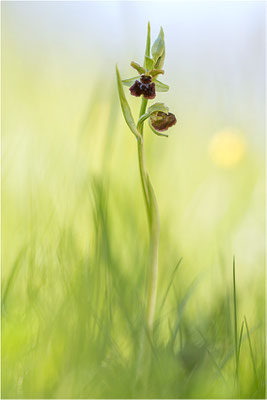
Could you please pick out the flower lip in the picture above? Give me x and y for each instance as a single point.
(135, 89)
(148, 90)
(145, 86)
(162, 121)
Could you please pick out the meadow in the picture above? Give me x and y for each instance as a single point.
(75, 237)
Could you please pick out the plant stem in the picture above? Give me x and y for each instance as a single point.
(154, 227)
(153, 257)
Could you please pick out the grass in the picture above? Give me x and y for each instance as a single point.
(74, 245)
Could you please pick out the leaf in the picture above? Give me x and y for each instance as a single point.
(125, 107)
(161, 87)
(129, 82)
(149, 63)
(138, 67)
(158, 48)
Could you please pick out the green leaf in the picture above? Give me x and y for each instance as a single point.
(149, 63)
(129, 82)
(138, 67)
(125, 107)
(161, 87)
(158, 48)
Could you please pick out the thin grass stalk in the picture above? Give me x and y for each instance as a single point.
(239, 343)
(235, 320)
(251, 351)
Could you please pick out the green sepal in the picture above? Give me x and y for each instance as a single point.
(160, 87)
(129, 82)
(126, 108)
(158, 49)
(155, 72)
(138, 67)
(158, 107)
(149, 63)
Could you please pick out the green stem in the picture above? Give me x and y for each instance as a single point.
(153, 256)
(154, 227)
(152, 275)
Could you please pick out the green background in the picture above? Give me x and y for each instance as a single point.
(74, 229)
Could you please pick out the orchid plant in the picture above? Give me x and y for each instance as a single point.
(146, 85)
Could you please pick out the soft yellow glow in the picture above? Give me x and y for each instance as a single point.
(227, 147)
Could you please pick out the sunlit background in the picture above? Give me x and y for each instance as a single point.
(67, 153)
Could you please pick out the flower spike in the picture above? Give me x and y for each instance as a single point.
(146, 86)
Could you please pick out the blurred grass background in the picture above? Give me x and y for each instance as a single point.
(74, 234)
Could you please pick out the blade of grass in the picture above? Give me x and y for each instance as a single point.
(12, 276)
(239, 342)
(230, 353)
(211, 356)
(235, 317)
(182, 305)
(251, 351)
(169, 286)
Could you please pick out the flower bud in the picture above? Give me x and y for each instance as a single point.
(162, 121)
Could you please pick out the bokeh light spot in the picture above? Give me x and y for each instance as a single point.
(227, 147)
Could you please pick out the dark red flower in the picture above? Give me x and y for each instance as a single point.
(135, 89)
(162, 121)
(145, 86)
